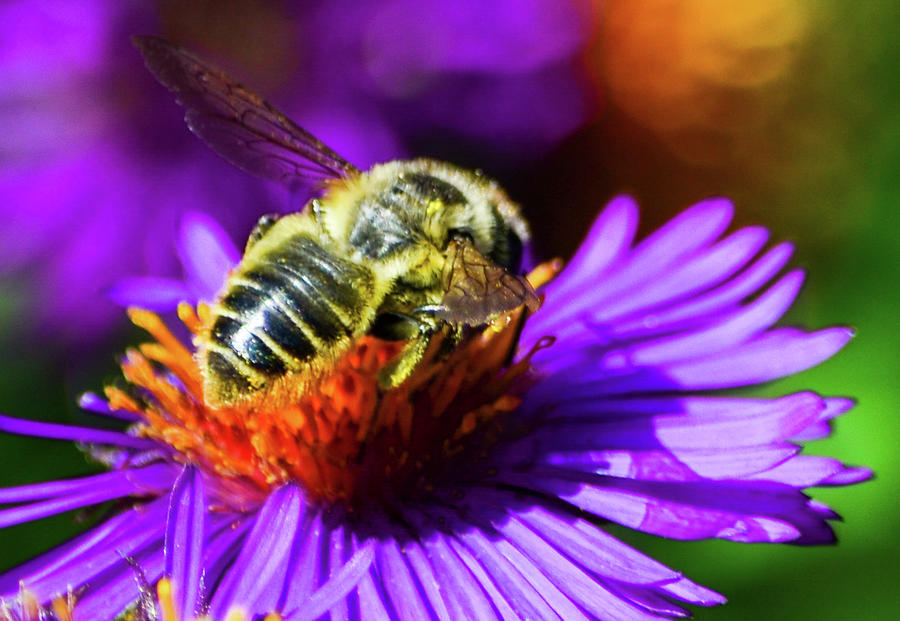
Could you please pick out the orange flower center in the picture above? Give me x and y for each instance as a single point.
(349, 440)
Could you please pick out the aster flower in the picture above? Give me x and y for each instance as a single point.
(96, 166)
(479, 487)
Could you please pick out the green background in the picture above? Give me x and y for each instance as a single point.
(837, 194)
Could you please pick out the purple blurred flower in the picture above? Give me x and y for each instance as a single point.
(95, 170)
(618, 420)
(96, 167)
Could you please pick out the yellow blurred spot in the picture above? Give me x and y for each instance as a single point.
(699, 71)
(166, 600)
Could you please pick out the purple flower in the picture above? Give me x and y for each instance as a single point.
(96, 167)
(477, 489)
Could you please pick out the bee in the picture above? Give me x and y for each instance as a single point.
(399, 252)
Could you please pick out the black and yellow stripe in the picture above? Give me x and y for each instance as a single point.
(282, 311)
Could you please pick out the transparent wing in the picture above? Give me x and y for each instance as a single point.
(237, 123)
(477, 289)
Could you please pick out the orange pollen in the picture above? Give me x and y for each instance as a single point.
(348, 440)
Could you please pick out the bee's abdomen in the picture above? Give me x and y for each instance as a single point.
(284, 310)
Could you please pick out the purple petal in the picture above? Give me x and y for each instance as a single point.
(688, 314)
(184, 540)
(151, 293)
(334, 555)
(713, 301)
(848, 476)
(740, 511)
(93, 403)
(84, 435)
(221, 548)
(704, 424)
(776, 354)
(674, 465)
(152, 479)
(340, 583)
(649, 601)
(706, 268)
(206, 252)
(608, 239)
(399, 584)
(724, 423)
(564, 607)
(693, 228)
(588, 545)
(571, 579)
(729, 331)
(110, 593)
(258, 575)
(484, 570)
(693, 593)
(373, 600)
(435, 594)
(303, 564)
(121, 480)
(462, 593)
(834, 406)
(682, 236)
(499, 564)
(79, 560)
(801, 471)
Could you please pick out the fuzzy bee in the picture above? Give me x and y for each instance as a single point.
(399, 251)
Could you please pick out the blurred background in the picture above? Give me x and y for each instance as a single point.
(791, 107)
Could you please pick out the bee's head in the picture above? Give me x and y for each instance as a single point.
(462, 204)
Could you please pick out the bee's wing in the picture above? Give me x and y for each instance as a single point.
(477, 289)
(237, 123)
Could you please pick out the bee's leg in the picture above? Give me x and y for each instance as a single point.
(262, 225)
(401, 367)
(399, 327)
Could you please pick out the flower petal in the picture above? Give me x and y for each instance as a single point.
(608, 239)
(740, 511)
(79, 560)
(505, 564)
(144, 480)
(257, 577)
(151, 293)
(776, 354)
(185, 536)
(705, 269)
(120, 480)
(207, 254)
(728, 331)
(696, 309)
(111, 592)
(84, 435)
(462, 593)
(399, 583)
(303, 565)
(340, 582)
(686, 233)
(437, 598)
(584, 590)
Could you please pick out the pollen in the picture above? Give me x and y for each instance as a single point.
(348, 440)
